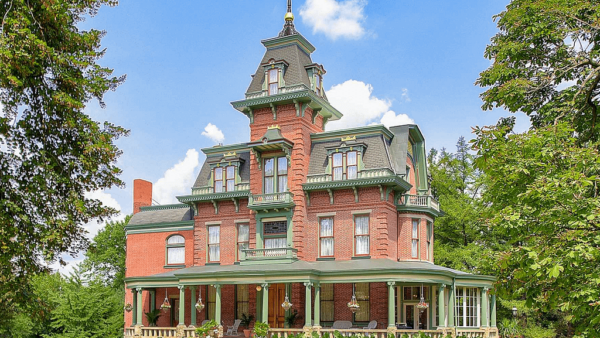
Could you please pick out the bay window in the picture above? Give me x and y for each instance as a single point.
(361, 235)
(276, 166)
(429, 236)
(326, 237)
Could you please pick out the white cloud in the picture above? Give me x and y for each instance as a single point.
(335, 19)
(355, 100)
(177, 180)
(106, 199)
(212, 132)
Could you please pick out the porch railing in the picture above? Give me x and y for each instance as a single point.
(264, 199)
(257, 254)
(283, 333)
(378, 333)
(424, 201)
(477, 333)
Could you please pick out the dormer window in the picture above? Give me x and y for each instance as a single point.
(352, 165)
(349, 171)
(224, 179)
(318, 85)
(273, 81)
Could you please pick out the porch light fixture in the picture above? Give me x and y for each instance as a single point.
(258, 288)
(128, 307)
(199, 305)
(422, 304)
(166, 305)
(286, 305)
(353, 304)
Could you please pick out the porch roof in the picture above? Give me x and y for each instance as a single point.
(322, 271)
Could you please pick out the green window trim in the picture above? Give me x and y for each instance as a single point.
(278, 174)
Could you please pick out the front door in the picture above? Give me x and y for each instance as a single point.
(174, 312)
(276, 312)
(415, 318)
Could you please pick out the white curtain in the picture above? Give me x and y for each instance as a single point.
(214, 252)
(269, 185)
(282, 184)
(243, 233)
(176, 240)
(362, 238)
(176, 255)
(327, 232)
(352, 172)
(337, 166)
(274, 243)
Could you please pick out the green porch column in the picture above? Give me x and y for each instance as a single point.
(484, 307)
(493, 311)
(139, 307)
(441, 301)
(181, 305)
(259, 297)
(259, 233)
(391, 304)
(317, 315)
(308, 305)
(451, 307)
(265, 303)
(134, 312)
(152, 300)
(193, 305)
(218, 304)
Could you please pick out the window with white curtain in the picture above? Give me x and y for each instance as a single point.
(269, 176)
(429, 236)
(214, 243)
(338, 167)
(326, 237)
(230, 178)
(218, 179)
(361, 235)
(467, 307)
(273, 81)
(415, 239)
(351, 165)
(243, 238)
(282, 174)
(176, 250)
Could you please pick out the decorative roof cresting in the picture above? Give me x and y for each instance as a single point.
(288, 27)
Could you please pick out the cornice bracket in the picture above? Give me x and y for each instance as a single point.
(355, 189)
(274, 110)
(258, 159)
(237, 204)
(330, 196)
(216, 205)
(297, 105)
(307, 194)
(304, 106)
(381, 191)
(250, 114)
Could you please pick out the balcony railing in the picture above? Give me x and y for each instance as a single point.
(366, 173)
(282, 90)
(271, 199)
(259, 254)
(423, 201)
(211, 190)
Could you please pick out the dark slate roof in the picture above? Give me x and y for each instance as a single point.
(295, 73)
(376, 155)
(399, 148)
(204, 175)
(177, 213)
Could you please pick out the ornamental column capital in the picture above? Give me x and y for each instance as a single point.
(443, 286)
(265, 285)
(217, 286)
(181, 287)
(139, 290)
(391, 283)
(308, 284)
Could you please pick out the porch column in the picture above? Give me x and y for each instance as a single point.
(493, 311)
(152, 300)
(265, 303)
(308, 305)
(181, 305)
(451, 307)
(441, 303)
(391, 304)
(139, 307)
(317, 314)
(134, 312)
(193, 305)
(484, 307)
(218, 304)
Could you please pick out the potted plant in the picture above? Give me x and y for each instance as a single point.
(246, 320)
(261, 329)
(291, 318)
(210, 328)
(128, 307)
(153, 316)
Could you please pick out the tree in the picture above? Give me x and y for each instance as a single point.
(105, 257)
(51, 152)
(543, 46)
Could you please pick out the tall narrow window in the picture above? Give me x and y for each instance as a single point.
(429, 236)
(211, 302)
(338, 167)
(230, 178)
(241, 300)
(275, 235)
(467, 304)
(351, 165)
(176, 250)
(318, 84)
(243, 238)
(327, 304)
(326, 237)
(282, 172)
(269, 176)
(361, 291)
(214, 243)
(273, 81)
(415, 239)
(218, 179)
(361, 234)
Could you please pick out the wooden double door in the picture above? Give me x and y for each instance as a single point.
(276, 312)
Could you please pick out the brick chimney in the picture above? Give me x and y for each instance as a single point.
(142, 194)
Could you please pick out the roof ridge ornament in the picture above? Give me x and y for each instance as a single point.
(288, 27)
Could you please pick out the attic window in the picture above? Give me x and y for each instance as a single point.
(318, 85)
(273, 77)
(345, 165)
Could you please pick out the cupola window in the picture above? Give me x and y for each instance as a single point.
(273, 81)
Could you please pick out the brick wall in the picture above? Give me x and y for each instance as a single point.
(146, 252)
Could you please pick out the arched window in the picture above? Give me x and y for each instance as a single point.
(176, 250)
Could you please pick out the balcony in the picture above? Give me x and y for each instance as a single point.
(268, 256)
(419, 203)
(276, 201)
(211, 190)
(382, 177)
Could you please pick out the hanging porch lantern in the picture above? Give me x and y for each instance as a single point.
(199, 305)
(286, 305)
(422, 304)
(166, 306)
(128, 307)
(353, 304)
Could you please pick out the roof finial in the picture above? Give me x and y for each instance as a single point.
(288, 28)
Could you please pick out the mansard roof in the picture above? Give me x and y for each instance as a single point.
(203, 178)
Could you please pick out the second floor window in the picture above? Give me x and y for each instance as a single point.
(273, 76)
(276, 171)
(326, 237)
(415, 239)
(243, 238)
(275, 235)
(361, 234)
(176, 250)
(429, 235)
(214, 243)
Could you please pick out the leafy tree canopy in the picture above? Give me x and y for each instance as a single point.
(51, 152)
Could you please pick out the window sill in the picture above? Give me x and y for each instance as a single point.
(236, 263)
(326, 259)
(213, 263)
(173, 266)
(361, 257)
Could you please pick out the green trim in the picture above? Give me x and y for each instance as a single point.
(358, 131)
(326, 259)
(164, 207)
(193, 310)
(396, 181)
(213, 263)
(425, 210)
(160, 227)
(226, 148)
(214, 196)
(361, 257)
(289, 39)
(180, 266)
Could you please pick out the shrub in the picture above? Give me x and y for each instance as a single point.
(206, 329)
(261, 329)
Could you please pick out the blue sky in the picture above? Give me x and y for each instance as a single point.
(387, 61)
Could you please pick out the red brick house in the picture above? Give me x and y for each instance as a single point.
(298, 213)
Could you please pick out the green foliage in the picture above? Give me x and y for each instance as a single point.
(246, 320)
(261, 329)
(52, 154)
(508, 327)
(539, 332)
(153, 316)
(206, 329)
(291, 318)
